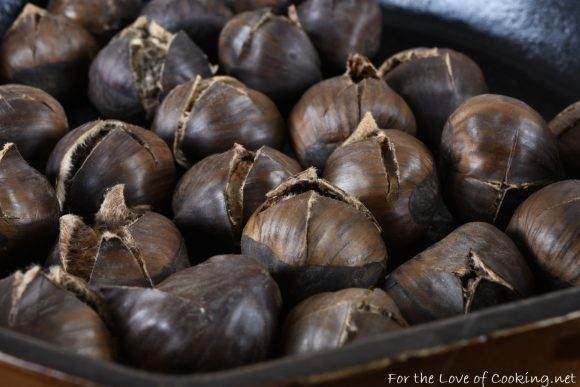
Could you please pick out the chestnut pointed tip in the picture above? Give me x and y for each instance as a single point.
(114, 210)
(359, 67)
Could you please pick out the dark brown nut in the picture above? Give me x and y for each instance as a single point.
(475, 267)
(434, 82)
(394, 176)
(101, 154)
(139, 66)
(566, 127)
(339, 28)
(271, 54)
(220, 314)
(202, 20)
(249, 5)
(332, 320)
(314, 237)
(215, 198)
(328, 112)
(207, 116)
(546, 227)
(29, 211)
(47, 51)
(56, 308)
(101, 18)
(495, 152)
(31, 119)
(126, 246)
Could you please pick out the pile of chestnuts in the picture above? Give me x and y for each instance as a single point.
(257, 183)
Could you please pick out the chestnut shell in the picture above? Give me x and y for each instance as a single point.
(495, 152)
(101, 154)
(566, 127)
(46, 51)
(474, 267)
(33, 120)
(547, 229)
(330, 111)
(331, 320)
(216, 315)
(207, 116)
(314, 237)
(434, 82)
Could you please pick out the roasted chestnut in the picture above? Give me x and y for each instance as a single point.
(434, 82)
(101, 154)
(56, 308)
(207, 116)
(202, 20)
(101, 18)
(33, 120)
(271, 54)
(127, 246)
(339, 28)
(566, 127)
(139, 66)
(546, 227)
(249, 5)
(314, 237)
(330, 111)
(220, 314)
(331, 320)
(29, 211)
(474, 267)
(215, 198)
(47, 51)
(495, 152)
(393, 175)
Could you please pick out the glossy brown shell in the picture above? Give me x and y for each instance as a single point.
(331, 320)
(495, 152)
(215, 198)
(547, 229)
(46, 51)
(216, 315)
(434, 82)
(33, 120)
(474, 267)
(330, 111)
(566, 127)
(101, 154)
(314, 237)
(29, 211)
(207, 116)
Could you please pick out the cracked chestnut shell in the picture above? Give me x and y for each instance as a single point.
(249, 5)
(495, 152)
(31, 119)
(101, 154)
(202, 20)
(332, 320)
(566, 127)
(330, 111)
(475, 267)
(126, 246)
(56, 308)
(29, 210)
(393, 174)
(101, 18)
(219, 314)
(434, 82)
(215, 198)
(339, 28)
(207, 116)
(139, 66)
(271, 54)
(46, 51)
(546, 227)
(314, 237)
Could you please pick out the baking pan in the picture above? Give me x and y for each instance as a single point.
(527, 49)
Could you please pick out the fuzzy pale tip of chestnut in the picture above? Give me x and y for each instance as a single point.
(359, 67)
